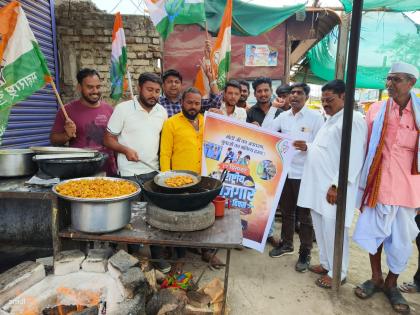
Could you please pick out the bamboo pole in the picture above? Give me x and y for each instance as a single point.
(130, 85)
(59, 100)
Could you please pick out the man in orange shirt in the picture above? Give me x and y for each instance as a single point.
(389, 184)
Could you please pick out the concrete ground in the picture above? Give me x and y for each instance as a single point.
(262, 285)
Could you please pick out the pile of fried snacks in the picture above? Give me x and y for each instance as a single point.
(96, 188)
(178, 181)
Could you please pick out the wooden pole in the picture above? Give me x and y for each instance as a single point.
(345, 142)
(59, 100)
(342, 48)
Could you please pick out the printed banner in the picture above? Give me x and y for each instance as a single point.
(253, 163)
(260, 56)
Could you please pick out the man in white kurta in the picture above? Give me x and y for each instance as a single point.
(318, 189)
(302, 124)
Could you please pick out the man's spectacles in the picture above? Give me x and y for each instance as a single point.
(394, 79)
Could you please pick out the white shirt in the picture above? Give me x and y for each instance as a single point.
(239, 113)
(304, 125)
(139, 130)
(322, 166)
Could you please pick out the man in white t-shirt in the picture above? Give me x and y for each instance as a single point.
(134, 130)
(231, 95)
(134, 133)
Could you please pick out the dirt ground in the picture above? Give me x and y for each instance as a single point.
(259, 284)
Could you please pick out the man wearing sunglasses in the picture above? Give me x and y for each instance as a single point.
(389, 185)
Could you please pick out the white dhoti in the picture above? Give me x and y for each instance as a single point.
(394, 226)
(325, 234)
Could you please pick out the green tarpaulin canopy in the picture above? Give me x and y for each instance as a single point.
(249, 19)
(393, 5)
(386, 37)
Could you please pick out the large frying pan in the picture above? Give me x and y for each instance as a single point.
(160, 178)
(190, 199)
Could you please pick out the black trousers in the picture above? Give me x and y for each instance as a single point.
(288, 205)
(417, 275)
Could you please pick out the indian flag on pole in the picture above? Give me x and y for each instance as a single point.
(23, 69)
(220, 54)
(118, 58)
(166, 13)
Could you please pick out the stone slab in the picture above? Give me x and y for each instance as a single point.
(19, 278)
(48, 263)
(96, 260)
(135, 306)
(123, 261)
(131, 281)
(68, 261)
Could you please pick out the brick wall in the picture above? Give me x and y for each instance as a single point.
(84, 40)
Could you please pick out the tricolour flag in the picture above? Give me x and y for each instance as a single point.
(166, 13)
(23, 69)
(118, 59)
(220, 54)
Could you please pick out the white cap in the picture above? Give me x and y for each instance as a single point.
(402, 67)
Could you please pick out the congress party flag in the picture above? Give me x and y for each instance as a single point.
(118, 58)
(220, 54)
(166, 13)
(23, 69)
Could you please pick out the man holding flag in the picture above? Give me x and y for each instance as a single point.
(89, 118)
(219, 59)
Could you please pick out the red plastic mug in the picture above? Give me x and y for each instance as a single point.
(219, 205)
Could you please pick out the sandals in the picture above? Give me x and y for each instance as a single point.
(325, 282)
(366, 289)
(399, 304)
(318, 269)
(410, 287)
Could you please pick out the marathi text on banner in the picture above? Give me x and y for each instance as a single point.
(253, 163)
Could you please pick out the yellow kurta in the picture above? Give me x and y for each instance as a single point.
(181, 144)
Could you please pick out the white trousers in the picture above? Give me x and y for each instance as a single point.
(325, 234)
(394, 226)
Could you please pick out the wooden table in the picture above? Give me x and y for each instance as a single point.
(225, 233)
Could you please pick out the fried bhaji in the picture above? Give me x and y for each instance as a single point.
(178, 181)
(96, 188)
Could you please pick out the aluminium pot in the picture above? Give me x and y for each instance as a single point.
(99, 215)
(17, 162)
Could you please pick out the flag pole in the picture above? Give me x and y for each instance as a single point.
(130, 86)
(210, 60)
(59, 100)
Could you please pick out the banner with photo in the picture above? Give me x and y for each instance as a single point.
(253, 163)
(260, 56)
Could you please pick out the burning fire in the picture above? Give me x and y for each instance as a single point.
(80, 298)
(65, 297)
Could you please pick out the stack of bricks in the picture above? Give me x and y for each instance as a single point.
(84, 36)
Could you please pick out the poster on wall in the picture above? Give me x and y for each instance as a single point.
(260, 56)
(253, 163)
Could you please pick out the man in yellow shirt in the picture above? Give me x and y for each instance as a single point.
(182, 141)
(182, 136)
